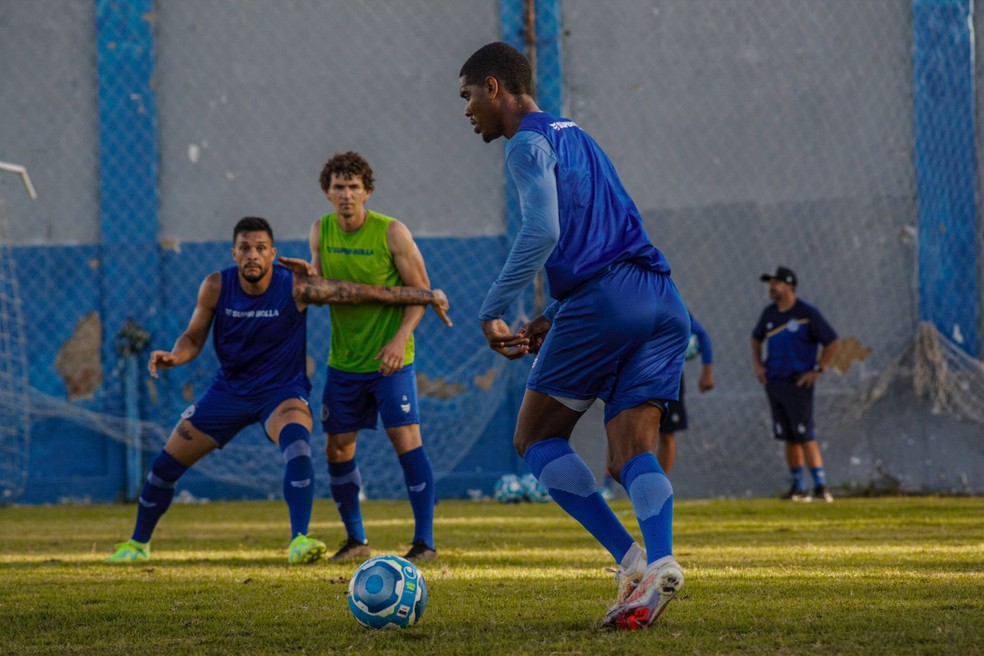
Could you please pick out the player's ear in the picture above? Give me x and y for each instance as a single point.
(491, 86)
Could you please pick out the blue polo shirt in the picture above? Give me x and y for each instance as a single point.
(792, 339)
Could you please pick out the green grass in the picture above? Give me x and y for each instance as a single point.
(861, 576)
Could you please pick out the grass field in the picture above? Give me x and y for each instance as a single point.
(860, 576)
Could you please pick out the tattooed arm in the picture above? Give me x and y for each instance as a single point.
(315, 290)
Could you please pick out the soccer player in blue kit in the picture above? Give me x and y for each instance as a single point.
(793, 331)
(257, 312)
(617, 331)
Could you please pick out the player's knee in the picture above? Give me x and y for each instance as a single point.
(339, 453)
(521, 443)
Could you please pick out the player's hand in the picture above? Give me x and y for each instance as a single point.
(441, 305)
(706, 382)
(299, 267)
(160, 360)
(536, 331)
(503, 341)
(807, 379)
(760, 373)
(391, 356)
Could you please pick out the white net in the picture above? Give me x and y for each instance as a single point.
(751, 133)
(15, 402)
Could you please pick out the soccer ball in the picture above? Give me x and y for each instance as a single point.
(508, 489)
(693, 348)
(533, 490)
(387, 592)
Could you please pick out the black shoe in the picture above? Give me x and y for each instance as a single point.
(821, 493)
(352, 549)
(420, 552)
(794, 494)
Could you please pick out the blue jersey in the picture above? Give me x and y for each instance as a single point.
(578, 220)
(792, 339)
(261, 341)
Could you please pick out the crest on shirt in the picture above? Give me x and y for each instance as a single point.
(792, 325)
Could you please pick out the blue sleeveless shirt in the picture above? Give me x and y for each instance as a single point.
(599, 223)
(261, 341)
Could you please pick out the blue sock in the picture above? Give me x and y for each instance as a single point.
(295, 445)
(573, 487)
(155, 498)
(819, 477)
(652, 499)
(346, 483)
(419, 477)
(798, 482)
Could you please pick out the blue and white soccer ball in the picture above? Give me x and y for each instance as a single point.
(387, 592)
(533, 490)
(508, 489)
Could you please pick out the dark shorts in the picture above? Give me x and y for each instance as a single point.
(792, 411)
(675, 418)
(220, 414)
(620, 338)
(353, 401)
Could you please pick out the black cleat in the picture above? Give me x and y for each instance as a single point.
(821, 493)
(801, 496)
(352, 549)
(420, 552)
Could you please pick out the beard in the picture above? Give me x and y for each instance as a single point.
(254, 277)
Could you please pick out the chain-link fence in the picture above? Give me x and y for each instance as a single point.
(751, 133)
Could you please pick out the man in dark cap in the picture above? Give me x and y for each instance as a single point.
(793, 332)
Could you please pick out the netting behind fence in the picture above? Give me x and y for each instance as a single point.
(751, 133)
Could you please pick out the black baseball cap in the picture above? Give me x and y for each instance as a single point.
(782, 274)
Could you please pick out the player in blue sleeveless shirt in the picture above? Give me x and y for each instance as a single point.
(257, 314)
(792, 332)
(617, 330)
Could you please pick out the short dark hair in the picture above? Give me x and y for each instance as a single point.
(252, 224)
(504, 63)
(348, 165)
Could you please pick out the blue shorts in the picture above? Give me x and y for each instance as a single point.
(621, 337)
(353, 401)
(220, 414)
(675, 418)
(792, 411)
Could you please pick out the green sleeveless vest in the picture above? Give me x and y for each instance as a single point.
(359, 332)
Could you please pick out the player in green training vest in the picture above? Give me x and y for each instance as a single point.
(370, 364)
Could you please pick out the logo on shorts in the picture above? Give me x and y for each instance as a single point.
(778, 428)
(189, 411)
(792, 325)
(800, 428)
(324, 413)
(405, 405)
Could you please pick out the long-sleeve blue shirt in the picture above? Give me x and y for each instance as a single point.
(578, 220)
